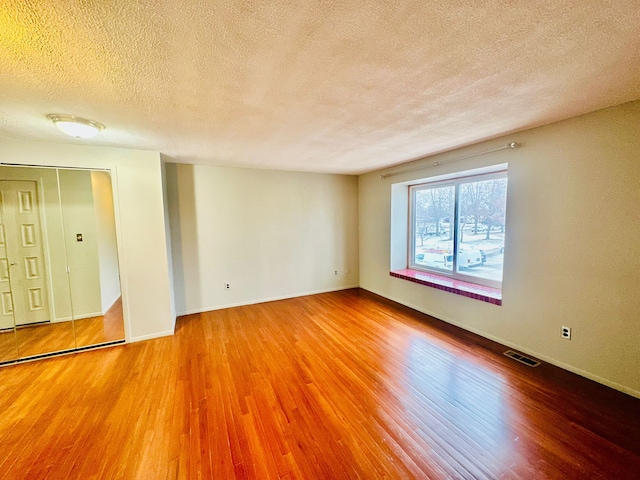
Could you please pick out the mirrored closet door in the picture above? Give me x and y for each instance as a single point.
(59, 278)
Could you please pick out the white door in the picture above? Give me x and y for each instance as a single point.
(22, 249)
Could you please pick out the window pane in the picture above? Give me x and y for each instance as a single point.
(433, 217)
(481, 228)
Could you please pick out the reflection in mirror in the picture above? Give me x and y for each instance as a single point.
(56, 278)
(8, 349)
(33, 234)
(90, 241)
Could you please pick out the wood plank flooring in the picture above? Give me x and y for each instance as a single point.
(30, 340)
(105, 328)
(341, 385)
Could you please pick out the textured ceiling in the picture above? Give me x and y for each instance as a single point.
(311, 85)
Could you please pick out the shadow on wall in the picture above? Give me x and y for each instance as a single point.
(183, 206)
(268, 234)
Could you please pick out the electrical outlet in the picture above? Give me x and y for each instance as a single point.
(566, 333)
(227, 286)
(335, 272)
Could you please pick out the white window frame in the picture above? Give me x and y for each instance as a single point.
(455, 182)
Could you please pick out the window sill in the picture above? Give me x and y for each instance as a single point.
(466, 289)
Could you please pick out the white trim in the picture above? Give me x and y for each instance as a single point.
(263, 300)
(151, 336)
(88, 315)
(552, 361)
(79, 317)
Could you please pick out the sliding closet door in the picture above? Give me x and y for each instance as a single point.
(90, 242)
(37, 265)
(59, 276)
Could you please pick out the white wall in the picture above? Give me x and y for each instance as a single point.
(572, 252)
(137, 183)
(270, 234)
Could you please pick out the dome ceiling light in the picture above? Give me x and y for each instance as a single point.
(75, 126)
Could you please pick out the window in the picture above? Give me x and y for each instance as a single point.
(457, 227)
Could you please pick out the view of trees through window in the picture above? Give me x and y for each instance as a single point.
(480, 228)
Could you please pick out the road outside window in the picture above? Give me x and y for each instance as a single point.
(458, 228)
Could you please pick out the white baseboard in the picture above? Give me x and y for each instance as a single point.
(262, 300)
(151, 336)
(552, 361)
(78, 317)
(87, 315)
(111, 304)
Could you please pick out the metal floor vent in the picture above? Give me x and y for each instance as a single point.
(522, 358)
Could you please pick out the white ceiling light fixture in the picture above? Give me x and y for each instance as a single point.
(76, 126)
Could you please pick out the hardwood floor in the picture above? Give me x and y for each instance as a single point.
(7, 345)
(30, 340)
(49, 337)
(102, 329)
(334, 386)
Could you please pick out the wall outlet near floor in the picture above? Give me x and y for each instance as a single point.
(335, 273)
(566, 333)
(227, 286)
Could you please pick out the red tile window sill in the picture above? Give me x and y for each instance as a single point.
(466, 289)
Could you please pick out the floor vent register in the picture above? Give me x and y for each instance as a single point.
(522, 358)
